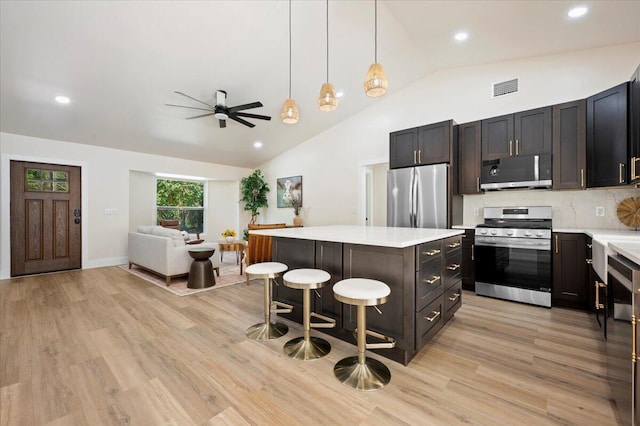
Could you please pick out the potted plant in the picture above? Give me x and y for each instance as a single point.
(229, 234)
(254, 192)
(297, 221)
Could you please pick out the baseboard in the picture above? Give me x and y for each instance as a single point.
(101, 263)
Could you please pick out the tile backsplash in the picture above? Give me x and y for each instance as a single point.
(571, 209)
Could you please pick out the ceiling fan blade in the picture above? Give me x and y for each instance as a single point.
(240, 120)
(223, 124)
(190, 97)
(203, 115)
(182, 106)
(245, 106)
(246, 114)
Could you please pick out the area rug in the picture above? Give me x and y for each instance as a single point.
(229, 275)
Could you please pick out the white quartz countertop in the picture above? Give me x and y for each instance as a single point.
(629, 249)
(464, 226)
(607, 234)
(367, 235)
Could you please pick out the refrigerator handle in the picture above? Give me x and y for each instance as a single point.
(414, 198)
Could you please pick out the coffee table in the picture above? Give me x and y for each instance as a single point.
(201, 271)
(237, 246)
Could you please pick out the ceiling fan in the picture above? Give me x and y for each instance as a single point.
(222, 112)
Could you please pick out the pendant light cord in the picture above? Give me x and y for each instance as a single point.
(327, 41)
(289, 49)
(375, 55)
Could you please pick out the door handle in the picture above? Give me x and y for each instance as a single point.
(453, 267)
(415, 157)
(478, 184)
(472, 252)
(633, 338)
(436, 314)
(517, 147)
(634, 167)
(455, 297)
(433, 280)
(419, 156)
(510, 148)
(621, 168)
(582, 178)
(557, 249)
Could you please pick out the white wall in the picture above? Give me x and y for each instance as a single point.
(330, 162)
(142, 199)
(380, 194)
(105, 185)
(223, 200)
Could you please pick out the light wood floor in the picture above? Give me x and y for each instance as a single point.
(104, 347)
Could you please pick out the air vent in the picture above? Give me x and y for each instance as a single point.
(504, 88)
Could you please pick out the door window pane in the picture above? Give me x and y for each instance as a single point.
(47, 180)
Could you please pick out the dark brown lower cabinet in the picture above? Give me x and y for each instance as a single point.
(468, 272)
(570, 271)
(425, 283)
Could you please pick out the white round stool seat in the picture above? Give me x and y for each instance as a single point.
(361, 291)
(268, 269)
(306, 278)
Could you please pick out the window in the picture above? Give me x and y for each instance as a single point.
(181, 200)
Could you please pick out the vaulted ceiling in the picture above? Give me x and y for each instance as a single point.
(120, 62)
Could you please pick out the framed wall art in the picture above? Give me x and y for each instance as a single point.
(289, 191)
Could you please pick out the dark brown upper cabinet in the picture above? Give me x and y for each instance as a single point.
(607, 138)
(403, 148)
(469, 157)
(570, 145)
(634, 126)
(522, 133)
(418, 146)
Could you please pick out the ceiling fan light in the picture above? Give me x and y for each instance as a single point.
(376, 82)
(290, 113)
(220, 115)
(327, 100)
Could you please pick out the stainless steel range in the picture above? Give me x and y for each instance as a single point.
(513, 254)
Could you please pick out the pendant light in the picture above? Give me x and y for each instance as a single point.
(290, 113)
(376, 82)
(327, 100)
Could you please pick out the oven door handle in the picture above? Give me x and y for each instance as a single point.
(544, 245)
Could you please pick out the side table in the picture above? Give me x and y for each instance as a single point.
(201, 272)
(237, 246)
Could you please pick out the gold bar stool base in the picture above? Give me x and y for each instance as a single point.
(370, 376)
(268, 331)
(302, 349)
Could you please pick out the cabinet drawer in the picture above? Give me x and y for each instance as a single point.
(452, 270)
(452, 300)
(452, 245)
(428, 284)
(429, 321)
(427, 253)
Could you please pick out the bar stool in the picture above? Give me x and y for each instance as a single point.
(360, 372)
(307, 347)
(268, 330)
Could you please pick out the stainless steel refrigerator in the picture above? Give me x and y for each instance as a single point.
(417, 197)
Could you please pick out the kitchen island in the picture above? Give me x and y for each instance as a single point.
(421, 266)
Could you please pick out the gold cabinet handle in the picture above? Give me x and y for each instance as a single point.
(478, 184)
(454, 245)
(582, 178)
(633, 338)
(455, 297)
(557, 249)
(589, 261)
(436, 314)
(415, 158)
(510, 148)
(517, 147)
(433, 279)
(419, 156)
(621, 168)
(472, 252)
(453, 267)
(431, 252)
(634, 167)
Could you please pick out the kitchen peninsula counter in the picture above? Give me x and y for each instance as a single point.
(421, 266)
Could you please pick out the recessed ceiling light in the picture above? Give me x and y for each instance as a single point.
(577, 12)
(257, 144)
(62, 99)
(461, 36)
(339, 94)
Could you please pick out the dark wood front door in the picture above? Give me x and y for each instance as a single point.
(45, 218)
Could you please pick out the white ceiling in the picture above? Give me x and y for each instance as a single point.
(120, 62)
